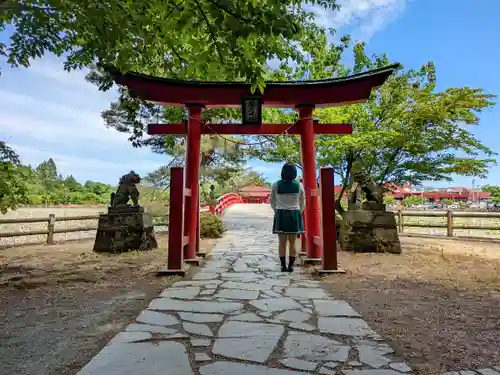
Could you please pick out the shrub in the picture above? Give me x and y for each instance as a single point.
(446, 201)
(211, 226)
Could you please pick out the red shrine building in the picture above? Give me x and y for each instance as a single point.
(458, 194)
(303, 96)
(255, 193)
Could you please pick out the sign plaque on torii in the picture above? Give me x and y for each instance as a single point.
(304, 96)
(251, 110)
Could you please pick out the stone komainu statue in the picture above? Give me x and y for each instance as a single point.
(367, 226)
(125, 227)
(126, 190)
(364, 184)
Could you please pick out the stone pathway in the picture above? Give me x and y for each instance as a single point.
(239, 315)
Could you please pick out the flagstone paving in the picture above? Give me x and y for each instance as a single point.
(240, 315)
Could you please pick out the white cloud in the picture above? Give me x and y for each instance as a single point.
(73, 131)
(53, 69)
(365, 17)
(54, 118)
(47, 112)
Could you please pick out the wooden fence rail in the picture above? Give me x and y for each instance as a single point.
(51, 230)
(447, 224)
(51, 221)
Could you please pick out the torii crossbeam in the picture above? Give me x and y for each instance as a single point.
(248, 129)
(304, 96)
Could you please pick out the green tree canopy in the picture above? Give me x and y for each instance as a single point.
(494, 191)
(175, 38)
(412, 200)
(13, 179)
(221, 156)
(407, 131)
(47, 173)
(389, 199)
(22, 184)
(446, 201)
(72, 184)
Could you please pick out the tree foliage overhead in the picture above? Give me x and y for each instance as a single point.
(219, 155)
(407, 131)
(184, 38)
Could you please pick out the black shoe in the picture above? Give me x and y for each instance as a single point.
(291, 261)
(283, 264)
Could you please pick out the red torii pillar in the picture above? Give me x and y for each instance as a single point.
(306, 128)
(308, 156)
(302, 95)
(191, 213)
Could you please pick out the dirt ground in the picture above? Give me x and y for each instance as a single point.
(61, 304)
(438, 302)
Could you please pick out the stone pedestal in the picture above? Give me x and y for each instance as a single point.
(366, 231)
(125, 229)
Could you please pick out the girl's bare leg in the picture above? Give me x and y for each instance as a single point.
(282, 244)
(292, 239)
(282, 239)
(292, 251)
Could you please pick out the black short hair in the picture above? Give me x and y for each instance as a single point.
(289, 172)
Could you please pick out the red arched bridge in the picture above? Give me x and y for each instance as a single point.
(179, 236)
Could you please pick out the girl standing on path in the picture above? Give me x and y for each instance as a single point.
(287, 201)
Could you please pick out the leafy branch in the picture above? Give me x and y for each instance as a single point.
(210, 30)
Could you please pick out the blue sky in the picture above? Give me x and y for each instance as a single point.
(46, 112)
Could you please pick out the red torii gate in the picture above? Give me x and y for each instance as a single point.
(302, 95)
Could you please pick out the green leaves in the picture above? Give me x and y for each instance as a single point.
(409, 132)
(208, 39)
(494, 190)
(406, 132)
(13, 187)
(413, 200)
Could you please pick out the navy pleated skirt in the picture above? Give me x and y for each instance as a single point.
(288, 222)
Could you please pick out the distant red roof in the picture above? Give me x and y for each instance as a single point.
(254, 190)
(455, 193)
(458, 193)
